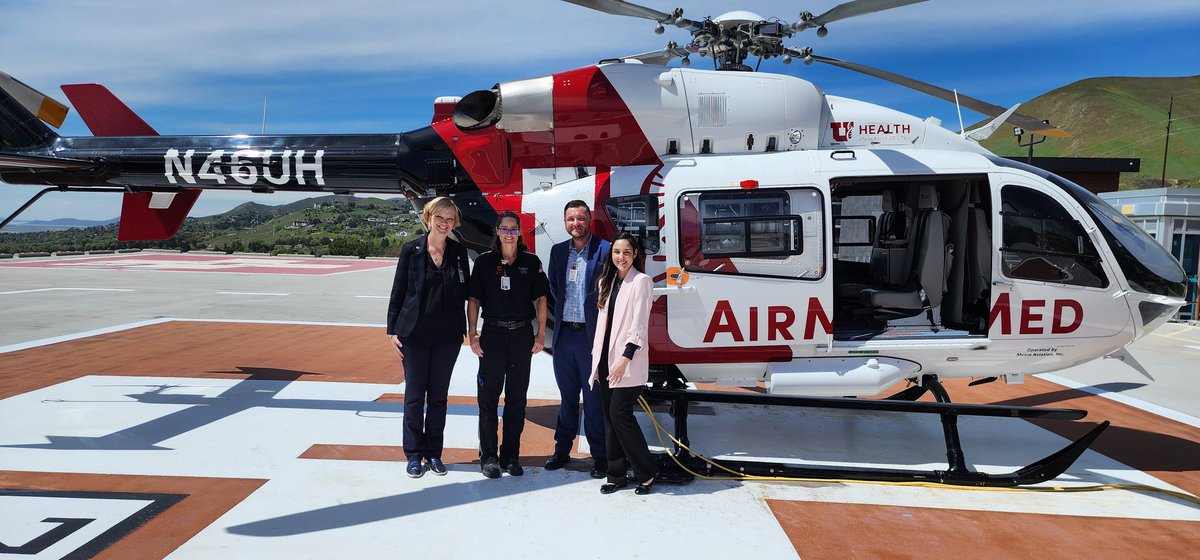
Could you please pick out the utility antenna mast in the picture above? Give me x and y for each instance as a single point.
(1163, 181)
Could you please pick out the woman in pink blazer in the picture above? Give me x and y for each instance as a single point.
(621, 364)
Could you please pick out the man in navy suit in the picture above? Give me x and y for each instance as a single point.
(574, 266)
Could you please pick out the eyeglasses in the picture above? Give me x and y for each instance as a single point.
(509, 231)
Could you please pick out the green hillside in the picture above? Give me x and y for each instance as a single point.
(327, 225)
(1120, 117)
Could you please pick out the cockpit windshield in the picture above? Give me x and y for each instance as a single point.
(1147, 266)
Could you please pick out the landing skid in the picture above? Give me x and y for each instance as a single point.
(957, 472)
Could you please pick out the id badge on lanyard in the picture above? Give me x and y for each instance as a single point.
(573, 275)
(505, 283)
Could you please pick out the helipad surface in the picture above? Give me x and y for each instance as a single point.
(153, 415)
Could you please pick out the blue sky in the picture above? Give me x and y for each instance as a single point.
(375, 66)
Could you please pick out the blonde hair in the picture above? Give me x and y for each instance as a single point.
(437, 205)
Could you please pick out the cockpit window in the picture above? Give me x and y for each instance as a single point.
(1148, 266)
(1042, 241)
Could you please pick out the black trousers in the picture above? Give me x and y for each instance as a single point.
(427, 369)
(504, 366)
(623, 437)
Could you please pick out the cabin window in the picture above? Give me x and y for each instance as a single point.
(638, 215)
(765, 232)
(1042, 241)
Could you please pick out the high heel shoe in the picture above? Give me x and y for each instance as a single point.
(643, 488)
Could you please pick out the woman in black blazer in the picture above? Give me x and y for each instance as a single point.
(425, 325)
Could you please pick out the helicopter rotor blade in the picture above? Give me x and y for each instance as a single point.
(1030, 124)
(660, 58)
(848, 10)
(859, 8)
(621, 8)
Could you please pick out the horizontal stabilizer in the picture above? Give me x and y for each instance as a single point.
(982, 133)
(143, 220)
(104, 113)
(43, 106)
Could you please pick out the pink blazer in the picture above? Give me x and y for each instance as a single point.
(631, 323)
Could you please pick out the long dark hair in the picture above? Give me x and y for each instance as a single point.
(496, 232)
(608, 276)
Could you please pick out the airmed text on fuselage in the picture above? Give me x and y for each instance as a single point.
(778, 320)
(246, 167)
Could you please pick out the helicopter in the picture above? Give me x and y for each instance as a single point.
(817, 246)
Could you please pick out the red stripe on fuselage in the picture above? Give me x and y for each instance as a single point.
(593, 126)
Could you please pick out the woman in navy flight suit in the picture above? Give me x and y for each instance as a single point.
(511, 287)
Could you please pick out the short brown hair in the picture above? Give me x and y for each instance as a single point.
(576, 204)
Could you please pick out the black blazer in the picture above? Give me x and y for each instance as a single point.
(404, 307)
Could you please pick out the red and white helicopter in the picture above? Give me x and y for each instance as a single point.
(817, 245)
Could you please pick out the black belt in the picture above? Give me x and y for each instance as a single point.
(510, 325)
(574, 326)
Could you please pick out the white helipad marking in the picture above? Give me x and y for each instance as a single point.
(67, 289)
(1127, 400)
(138, 324)
(1192, 346)
(272, 322)
(252, 294)
(76, 336)
(24, 518)
(215, 264)
(374, 297)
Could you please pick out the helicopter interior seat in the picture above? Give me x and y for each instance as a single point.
(979, 262)
(890, 253)
(926, 283)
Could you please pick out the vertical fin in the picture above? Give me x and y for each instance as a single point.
(140, 222)
(104, 113)
(144, 216)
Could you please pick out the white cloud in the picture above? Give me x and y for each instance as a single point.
(152, 45)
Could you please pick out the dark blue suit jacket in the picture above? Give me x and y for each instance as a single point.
(404, 306)
(597, 251)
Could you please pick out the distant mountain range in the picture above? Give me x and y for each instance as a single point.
(1120, 117)
(324, 225)
(56, 224)
(273, 210)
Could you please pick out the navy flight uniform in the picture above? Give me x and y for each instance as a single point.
(509, 318)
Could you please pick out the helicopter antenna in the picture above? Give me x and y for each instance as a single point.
(264, 126)
(958, 106)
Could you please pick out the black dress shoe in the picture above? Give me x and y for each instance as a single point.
(490, 468)
(414, 469)
(436, 466)
(610, 487)
(599, 470)
(513, 468)
(643, 488)
(556, 462)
